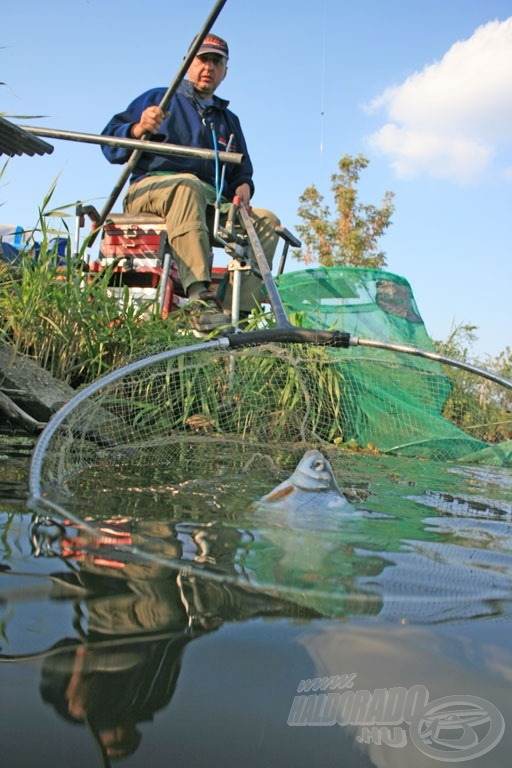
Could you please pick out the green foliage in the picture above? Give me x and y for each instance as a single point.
(351, 238)
(293, 395)
(65, 318)
(476, 404)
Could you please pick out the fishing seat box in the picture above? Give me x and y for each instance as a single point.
(136, 245)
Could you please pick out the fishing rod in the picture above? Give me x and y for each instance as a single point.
(142, 145)
(166, 100)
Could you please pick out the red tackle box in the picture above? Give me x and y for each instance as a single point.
(136, 247)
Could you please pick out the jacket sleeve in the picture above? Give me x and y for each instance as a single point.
(120, 125)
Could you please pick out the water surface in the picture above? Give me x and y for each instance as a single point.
(180, 624)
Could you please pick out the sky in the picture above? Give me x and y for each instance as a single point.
(422, 89)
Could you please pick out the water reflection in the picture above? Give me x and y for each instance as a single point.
(181, 630)
(456, 662)
(112, 686)
(135, 616)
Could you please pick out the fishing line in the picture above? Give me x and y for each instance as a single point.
(322, 85)
(218, 182)
(219, 175)
(223, 175)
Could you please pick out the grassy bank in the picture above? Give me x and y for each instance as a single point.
(63, 316)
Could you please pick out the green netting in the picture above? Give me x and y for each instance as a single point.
(396, 402)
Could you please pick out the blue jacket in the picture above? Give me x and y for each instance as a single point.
(185, 127)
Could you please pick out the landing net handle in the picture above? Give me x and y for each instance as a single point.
(235, 244)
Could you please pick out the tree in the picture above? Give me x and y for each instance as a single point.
(351, 238)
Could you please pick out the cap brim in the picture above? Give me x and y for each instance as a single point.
(211, 50)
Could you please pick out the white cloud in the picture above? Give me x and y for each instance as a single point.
(450, 119)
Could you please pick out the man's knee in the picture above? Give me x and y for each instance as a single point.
(266, 218)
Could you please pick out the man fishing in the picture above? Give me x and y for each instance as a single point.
(183, 190)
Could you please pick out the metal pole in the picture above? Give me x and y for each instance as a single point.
(157, 147)
(355, 341)
(266, 273)
(163, 105)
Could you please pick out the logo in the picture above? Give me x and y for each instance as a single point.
(452, 729)
(457, 728)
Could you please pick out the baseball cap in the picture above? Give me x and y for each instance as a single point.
(214, 44)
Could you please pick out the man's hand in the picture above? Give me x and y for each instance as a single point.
(244, 193)
(150, 121)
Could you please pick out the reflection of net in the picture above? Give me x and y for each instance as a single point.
(163, 408)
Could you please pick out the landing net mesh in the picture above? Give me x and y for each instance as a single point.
(407, 405)
(161, 462)
(167, 408)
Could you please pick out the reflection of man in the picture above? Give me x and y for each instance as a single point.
(112, 686)
(138, 624)
(140, 615)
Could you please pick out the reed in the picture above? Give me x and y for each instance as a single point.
(63, 317)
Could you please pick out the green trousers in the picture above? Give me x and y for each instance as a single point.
(184, 202)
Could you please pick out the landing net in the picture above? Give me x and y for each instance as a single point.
(167, 409)
(161, 462)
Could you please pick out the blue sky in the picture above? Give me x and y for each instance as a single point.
(423, 89)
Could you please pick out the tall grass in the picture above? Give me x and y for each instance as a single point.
(64, 317)
(475, 404)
